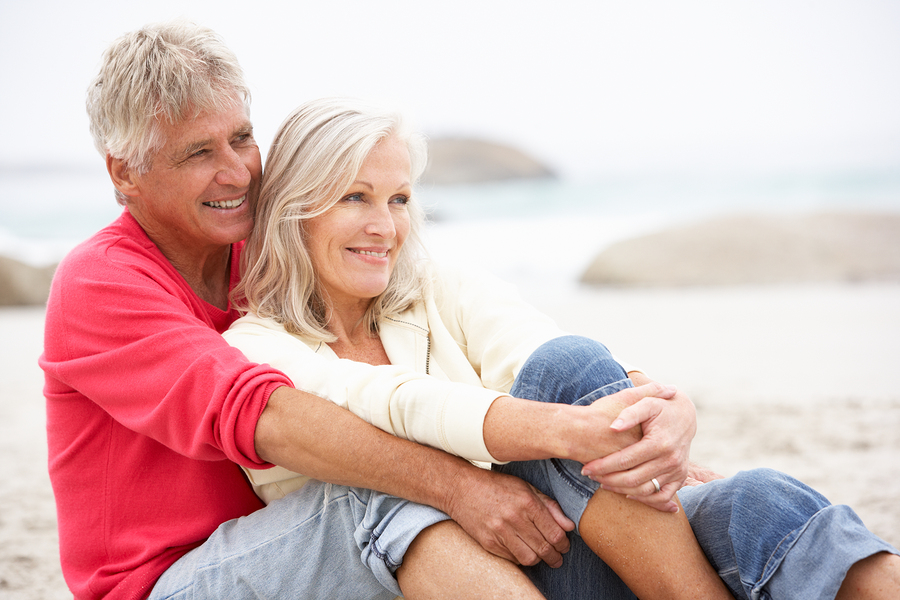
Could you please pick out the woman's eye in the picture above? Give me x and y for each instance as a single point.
(400, 200)
(353, 198)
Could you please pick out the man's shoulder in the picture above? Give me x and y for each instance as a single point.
(121, 243)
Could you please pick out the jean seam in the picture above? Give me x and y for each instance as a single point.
(572, 482)
(776, 558)
(382, 556)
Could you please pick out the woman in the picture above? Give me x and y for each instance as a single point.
(335, 270)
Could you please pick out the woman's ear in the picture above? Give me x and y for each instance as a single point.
(122, 177)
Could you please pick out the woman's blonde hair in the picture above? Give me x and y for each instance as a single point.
(314, 159)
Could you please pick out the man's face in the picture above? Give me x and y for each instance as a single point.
(199, 194)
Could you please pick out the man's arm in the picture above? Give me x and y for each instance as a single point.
(504, 514)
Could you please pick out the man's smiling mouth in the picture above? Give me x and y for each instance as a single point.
(226, 203)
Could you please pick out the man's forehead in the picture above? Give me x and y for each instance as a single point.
(206, 127)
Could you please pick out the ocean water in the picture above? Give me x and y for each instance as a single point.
(546, 228)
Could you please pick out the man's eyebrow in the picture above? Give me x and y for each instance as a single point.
(245, 129)
(194, 147)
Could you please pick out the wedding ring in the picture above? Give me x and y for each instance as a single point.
(655, 484)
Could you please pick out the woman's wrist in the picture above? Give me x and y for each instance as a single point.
(517, 429)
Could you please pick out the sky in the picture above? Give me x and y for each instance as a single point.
(587, 87)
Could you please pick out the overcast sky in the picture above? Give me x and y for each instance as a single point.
(590, 86)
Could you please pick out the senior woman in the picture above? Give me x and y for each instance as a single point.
(342, 298)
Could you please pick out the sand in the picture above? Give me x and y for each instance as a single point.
(795, 377)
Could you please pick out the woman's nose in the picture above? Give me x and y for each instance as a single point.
(381, 222)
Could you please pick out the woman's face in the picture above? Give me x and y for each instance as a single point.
(355, 244)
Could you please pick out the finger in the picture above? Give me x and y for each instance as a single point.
(662, 469)
(544, 551)
(564, 522)
(665, 499)
(632, 395)
(530, 548)
(644, 489)
(522, 552)
(668, 506)
(640, 412)
(551, 525)
(625, 459)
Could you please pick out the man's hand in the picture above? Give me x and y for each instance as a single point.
(510, 518)
(662, 453)
(698, 475)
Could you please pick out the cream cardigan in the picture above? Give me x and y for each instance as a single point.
(451, 356)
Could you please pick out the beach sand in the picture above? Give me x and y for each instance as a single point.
(798, 378)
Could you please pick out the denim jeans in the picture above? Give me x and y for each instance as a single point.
(766, 534)
(321, 541)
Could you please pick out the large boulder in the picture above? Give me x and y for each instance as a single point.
(757, 250)
(463, 160)
(22, 284)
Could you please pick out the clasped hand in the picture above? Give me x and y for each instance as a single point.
(665, 420)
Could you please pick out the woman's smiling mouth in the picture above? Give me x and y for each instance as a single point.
(382, 254)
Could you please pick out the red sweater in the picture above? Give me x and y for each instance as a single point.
(148, 410)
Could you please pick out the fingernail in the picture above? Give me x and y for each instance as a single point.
(671, 388)
(617, 424)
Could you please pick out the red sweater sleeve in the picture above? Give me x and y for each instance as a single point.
(148, 410)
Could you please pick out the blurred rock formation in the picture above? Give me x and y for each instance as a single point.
(465, 160)
(757, 250)
(22, 284)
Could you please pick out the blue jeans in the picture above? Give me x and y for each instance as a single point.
(321, 541)
(766, 534)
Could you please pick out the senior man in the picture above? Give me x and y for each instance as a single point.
(150, 412)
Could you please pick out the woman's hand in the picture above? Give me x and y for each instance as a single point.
(668, 426)
(642, 432)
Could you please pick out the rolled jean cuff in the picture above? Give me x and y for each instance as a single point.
(569, 487)
(836, 528)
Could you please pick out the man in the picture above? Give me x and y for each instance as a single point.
(150, 412)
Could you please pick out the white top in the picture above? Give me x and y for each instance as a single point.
(451, 357)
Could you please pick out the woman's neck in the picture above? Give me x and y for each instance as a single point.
(354, 339)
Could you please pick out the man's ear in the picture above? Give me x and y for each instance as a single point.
(122, 177)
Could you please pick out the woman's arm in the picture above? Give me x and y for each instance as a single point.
(504, 514)
(498, 332)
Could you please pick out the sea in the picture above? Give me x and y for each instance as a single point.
(549, 228)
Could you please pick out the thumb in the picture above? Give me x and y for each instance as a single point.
(642, 410)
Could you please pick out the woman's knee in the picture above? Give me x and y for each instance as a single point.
(565, 369)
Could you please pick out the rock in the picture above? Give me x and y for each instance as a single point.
(757, 250)
(22, 284)
(463, 160)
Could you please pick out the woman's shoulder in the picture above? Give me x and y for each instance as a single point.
(252, 326)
